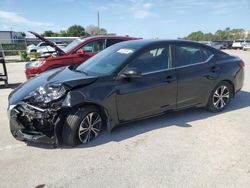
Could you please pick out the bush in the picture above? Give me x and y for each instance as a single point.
(24, 56)
(34, 55)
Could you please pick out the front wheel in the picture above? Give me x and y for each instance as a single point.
(82, 126)
(220, 97)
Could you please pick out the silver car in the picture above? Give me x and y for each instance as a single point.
(246, 45)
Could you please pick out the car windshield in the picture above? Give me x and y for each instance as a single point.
(106, 61)
(72, 45)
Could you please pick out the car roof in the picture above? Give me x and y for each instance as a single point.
(150, 42)
(108, 37)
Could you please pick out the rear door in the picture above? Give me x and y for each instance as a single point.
(152, 93)
(90, 49)
(196, 73)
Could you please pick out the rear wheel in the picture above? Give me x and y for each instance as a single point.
(82, 126)
(220, 97)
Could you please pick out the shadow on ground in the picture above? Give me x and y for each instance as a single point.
(181, 119)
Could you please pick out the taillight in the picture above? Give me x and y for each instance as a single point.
(242, 64)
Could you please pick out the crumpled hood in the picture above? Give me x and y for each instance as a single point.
(62, 75)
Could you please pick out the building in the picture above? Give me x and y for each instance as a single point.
(8, 37)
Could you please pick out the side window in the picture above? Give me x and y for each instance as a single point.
(95, 46)
(152, 60)
(187, 55)
(111, 42)
(43, 44)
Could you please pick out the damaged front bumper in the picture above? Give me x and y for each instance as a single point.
(32, 124)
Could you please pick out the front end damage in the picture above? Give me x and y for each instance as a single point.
(34, 124)
(38, 108)
(37, 117)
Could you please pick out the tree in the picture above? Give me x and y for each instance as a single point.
(48, 34)
(76, 31)
(226, 34)
(248, 35)
(63, 33)
(102, 31)
(196, 36)
(94, 30)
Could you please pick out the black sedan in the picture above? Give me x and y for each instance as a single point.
(126, 82)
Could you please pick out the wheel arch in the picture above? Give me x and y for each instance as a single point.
(231, 83)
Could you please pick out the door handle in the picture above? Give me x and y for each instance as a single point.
(170, 79)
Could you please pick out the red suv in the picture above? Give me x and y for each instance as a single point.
(75, 53)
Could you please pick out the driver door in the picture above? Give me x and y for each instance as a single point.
(152, 93)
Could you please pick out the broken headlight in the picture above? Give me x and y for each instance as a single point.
(48, 93)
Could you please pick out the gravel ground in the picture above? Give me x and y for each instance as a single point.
(190, 148)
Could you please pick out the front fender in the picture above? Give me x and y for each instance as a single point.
(76, 99)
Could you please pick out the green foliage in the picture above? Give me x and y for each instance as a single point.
(48, 34)
(23, 56)
(226, 34)
(76, 31)
(34, 55)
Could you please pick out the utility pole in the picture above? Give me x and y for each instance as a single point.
(98, 20)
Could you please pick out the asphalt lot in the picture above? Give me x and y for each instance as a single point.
(190, 148)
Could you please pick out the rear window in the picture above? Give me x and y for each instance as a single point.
(111, 42)
(183, 55)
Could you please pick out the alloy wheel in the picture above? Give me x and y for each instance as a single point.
(90, 127)
(221, 97)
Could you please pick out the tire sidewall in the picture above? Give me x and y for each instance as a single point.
(72, 125)
(210, 104)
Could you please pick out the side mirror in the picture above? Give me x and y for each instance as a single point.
(131, 73)
(80, 52)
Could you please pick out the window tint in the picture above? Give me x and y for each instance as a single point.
(95, 46)
(152, 60)
(110, 42)
(187, 55)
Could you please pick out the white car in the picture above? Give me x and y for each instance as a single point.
(238, 44)
(246, 45)
(42, 48)
(33, 48)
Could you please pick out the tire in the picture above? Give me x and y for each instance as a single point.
(81, 127)
(220, 97)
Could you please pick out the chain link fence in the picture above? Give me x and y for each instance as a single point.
(12, 49)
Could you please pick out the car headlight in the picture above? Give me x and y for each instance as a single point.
(31, 64)
(48, 93)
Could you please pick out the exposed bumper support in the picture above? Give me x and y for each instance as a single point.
(20, 132)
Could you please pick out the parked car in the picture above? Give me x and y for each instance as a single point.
(246, 45)
(128, 81)
(223, 44)
(216, 45)
(43, 48)
(75, 53)
(238, 44)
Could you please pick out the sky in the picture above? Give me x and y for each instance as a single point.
(167, 19)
